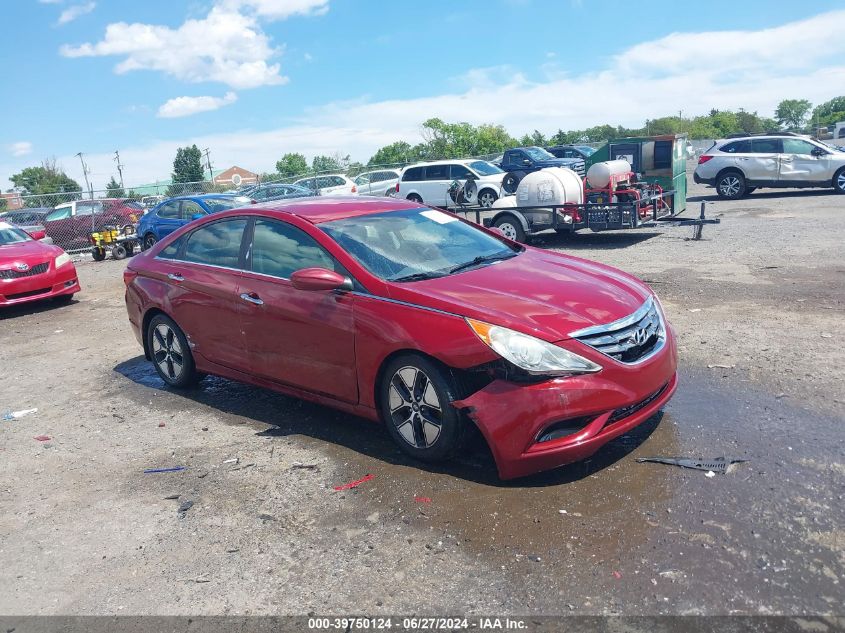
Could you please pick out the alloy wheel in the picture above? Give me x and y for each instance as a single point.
(415, 407)
(840, 181)
(167, 352)
(486, 199)
(730, 186)
(149, 242)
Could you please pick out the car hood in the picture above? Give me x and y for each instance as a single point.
(29, 252)
(557, 162)
(541, 293)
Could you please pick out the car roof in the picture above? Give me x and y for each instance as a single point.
(205, 196)
(448, 161)
(329, 208)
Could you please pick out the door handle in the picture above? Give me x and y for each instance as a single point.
(252, 298)
(175, 277)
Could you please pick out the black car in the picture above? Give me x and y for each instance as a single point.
(521, 161)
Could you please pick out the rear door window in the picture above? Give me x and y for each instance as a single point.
(766, 146)
(412, 174)
(437, 172)
(217, 244)
(737, 147)
(169, 210)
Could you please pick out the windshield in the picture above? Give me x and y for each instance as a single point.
(414, 244)
(11, 235)
(484, 168)
(538, 153)
(224, 204)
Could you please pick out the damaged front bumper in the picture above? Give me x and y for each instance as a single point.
(540, 426)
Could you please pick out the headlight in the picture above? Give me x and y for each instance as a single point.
(531, 354)
(62, 259)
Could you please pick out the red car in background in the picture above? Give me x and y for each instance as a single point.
(401, 313)
(31, 270)
(70, 225)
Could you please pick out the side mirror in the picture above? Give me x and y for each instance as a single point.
(319, 279)
(526, 162)
(38, 234)
(197, 216)
(818, 151)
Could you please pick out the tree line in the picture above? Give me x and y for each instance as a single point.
(442, 140)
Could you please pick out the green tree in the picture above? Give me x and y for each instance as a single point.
(791, 113)
(457, 140)
(114, 190)
(829, 112)
(397, 153)
(535, 138)
(291, 164)
(326, 163)
(187, 166)
(44, 180)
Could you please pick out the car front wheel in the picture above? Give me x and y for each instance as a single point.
(416, 398)
(486, 198)
(839, 181)
(731, 185)
(170, 353)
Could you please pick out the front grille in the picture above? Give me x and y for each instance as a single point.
(17, 274)
(630, 339)
(31, 293)
(631, 409)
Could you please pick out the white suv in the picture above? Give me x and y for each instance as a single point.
(329, 184)
(738, 166)
(377, 183)
(429, 182)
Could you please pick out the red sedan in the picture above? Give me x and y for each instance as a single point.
(31, 270)
(409, 315)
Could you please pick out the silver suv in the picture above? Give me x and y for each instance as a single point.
(738, 166)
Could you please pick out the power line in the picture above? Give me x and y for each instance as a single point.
(207, 153)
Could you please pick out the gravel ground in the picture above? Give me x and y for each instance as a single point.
(758, 305)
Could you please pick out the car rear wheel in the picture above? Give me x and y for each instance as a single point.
(149, 241)
(486, 198)
(511, 227)
(414, 198)
(170, 352)
(415, 399)
(839, 181)
(731, 185)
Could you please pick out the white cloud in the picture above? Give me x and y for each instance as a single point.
(724, 73)
(226, 46)
(278, 9)
(186, 106)
(76, 11)
(21, 148)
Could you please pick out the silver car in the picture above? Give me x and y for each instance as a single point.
(738, 166)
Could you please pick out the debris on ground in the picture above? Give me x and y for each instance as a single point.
(720, 366)
(233, 460)
(716, 465)
(16, 415)
(172, 497)
(172, 469)
(161, 425)
(302, 466)
(354, 484)
(42, 438)
(617, 575)
(184, 507)
(250, 465)
(266, 517)
(422, 499)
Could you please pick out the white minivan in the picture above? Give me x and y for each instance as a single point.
(429, 182)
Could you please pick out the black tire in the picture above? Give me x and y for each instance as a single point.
(511, 227)
(839, 181)
(420, 418)
(414, 198)
(149, 242)
(486, 198)
(130, 248)
(511, 181)
(168, 346)
(99, 254)
(118, 251)
(731, 185)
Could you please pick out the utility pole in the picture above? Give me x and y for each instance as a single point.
(119, 167)
(85, 173)
(208, 162)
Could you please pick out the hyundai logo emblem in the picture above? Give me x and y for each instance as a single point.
(640, 336)
(21, 266)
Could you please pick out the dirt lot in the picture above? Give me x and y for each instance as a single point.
(759, 309)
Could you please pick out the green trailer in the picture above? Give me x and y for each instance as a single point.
(658, 159)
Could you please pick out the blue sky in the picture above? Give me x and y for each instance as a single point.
(253, 79)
